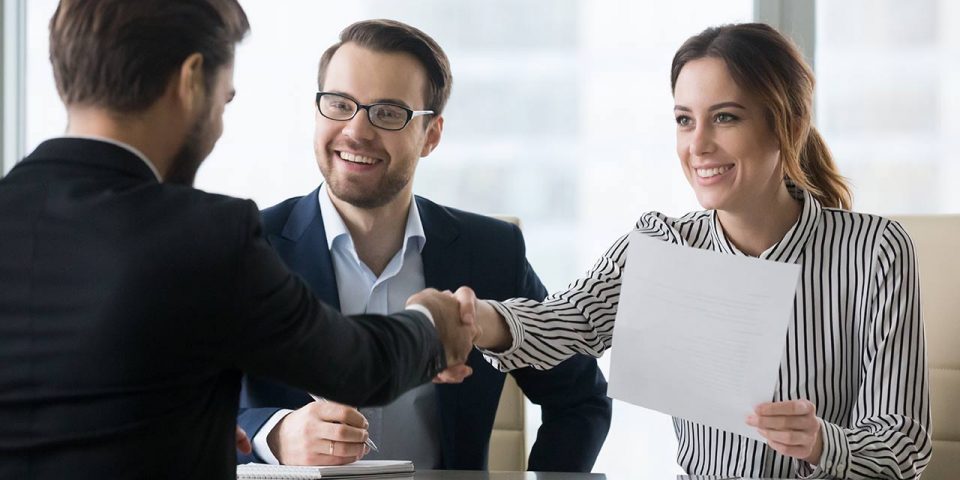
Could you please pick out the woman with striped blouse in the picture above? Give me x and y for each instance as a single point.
(852, 398)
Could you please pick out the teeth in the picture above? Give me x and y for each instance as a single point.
(711, 172)
(357, 158)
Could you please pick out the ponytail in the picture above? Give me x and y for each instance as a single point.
(816, 173)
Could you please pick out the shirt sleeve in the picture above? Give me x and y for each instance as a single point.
(890, 433)
(260, 445)
(578, 319)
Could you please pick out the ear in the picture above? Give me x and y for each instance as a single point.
(434, 132)
(191, 90)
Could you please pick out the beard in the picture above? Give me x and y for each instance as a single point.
(385, 190)
(196, 147)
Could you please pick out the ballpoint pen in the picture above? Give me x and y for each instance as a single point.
(368, 442)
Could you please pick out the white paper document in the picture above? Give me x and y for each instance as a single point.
(700, 334)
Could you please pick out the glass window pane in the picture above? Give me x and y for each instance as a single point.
(887, 102)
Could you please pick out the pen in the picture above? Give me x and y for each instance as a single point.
(369, 442)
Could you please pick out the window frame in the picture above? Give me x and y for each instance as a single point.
(12, 86)
(795, 18)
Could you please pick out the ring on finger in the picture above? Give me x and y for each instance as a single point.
(331, 446)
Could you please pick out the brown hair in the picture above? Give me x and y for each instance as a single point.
(766, 63)
(120, 54)
(392, 36)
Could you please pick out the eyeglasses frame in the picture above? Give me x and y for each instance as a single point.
(411, 114)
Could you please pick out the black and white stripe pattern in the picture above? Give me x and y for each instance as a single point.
(855, 346)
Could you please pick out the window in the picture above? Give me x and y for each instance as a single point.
(11, 82)
(887, 102)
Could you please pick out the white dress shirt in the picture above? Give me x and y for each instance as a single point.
(855, 346)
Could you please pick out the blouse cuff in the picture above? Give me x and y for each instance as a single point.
(835, 458)
(516, 332)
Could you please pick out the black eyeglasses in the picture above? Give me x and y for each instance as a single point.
(381, 115)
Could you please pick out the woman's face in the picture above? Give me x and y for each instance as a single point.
(727, 150)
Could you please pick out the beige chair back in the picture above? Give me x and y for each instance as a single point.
(508, 450)
(935, 238)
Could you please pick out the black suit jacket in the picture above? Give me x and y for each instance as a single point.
(461, 249)
(128, 309)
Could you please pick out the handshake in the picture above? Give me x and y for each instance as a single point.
(462, 322)
(328, 433)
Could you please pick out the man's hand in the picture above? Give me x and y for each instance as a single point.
(791, 428)
(320, 433)
(493, 332)
(243, 442)
(457, 328)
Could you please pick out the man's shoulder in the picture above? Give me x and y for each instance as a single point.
(276, 216)
(217, 224)
(467, 222)
(201, 204)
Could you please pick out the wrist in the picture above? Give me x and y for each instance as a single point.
(273, 440)
(262, 450)
(817, 451)
(494, 333)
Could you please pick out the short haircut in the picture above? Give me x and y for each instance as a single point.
(120, 54)
(391, 36)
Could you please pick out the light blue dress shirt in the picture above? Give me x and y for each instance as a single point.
(361, 291)
(408, 428)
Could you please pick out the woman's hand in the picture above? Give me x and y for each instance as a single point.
(791, 428)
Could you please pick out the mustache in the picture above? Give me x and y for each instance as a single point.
(361, 146)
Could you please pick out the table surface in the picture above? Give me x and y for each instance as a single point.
(477, 475)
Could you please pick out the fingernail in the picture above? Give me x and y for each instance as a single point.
(751, 420)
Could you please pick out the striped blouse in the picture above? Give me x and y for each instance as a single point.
(855, 345)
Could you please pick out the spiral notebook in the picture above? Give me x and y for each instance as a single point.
(362, 470)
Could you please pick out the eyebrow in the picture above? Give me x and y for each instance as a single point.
(378, 100)
(712, 108)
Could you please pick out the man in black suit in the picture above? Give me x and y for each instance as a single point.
(364, 243)
(131, 302)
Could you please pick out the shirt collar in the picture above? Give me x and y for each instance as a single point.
(790, 247)
(125, 146)
(335, 227)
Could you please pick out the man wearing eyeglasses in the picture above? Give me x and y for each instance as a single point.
(364, 243)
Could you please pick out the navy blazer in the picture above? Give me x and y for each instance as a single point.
(461, 249)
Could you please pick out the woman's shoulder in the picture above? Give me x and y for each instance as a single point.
(882, 227)
(673, 229)
(882, 235)
(654, 217)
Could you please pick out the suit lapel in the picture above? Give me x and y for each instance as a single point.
(304, 242)
(445, 255)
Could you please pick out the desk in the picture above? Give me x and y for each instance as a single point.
(475, 475)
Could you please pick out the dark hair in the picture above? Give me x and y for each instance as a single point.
(767, 64)
(120, 54)
(392, 36)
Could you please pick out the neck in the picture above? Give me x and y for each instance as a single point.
(761, 224)
(139, 130)
(377, 232)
